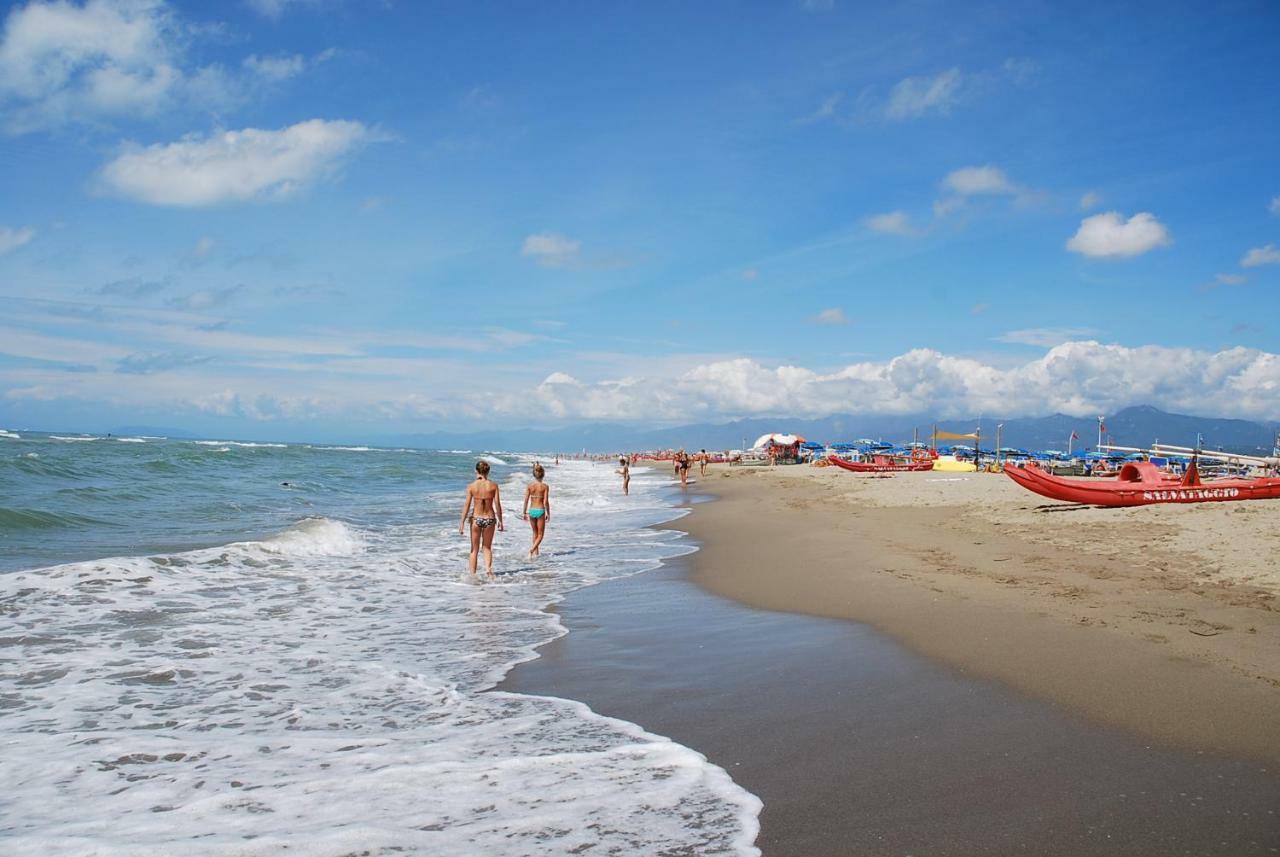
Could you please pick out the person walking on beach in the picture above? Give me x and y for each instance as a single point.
(702, 463)
(485, 518)
(624, 470)
(537, 508)
(682, 467)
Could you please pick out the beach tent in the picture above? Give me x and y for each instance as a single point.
(777, 439)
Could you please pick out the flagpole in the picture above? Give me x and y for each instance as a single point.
(1101, 423)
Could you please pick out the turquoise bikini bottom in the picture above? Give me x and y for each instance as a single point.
(537, 513)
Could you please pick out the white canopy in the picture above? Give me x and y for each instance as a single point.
(776, 438)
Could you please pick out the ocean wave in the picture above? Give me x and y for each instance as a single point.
(328, 689)
(240, 443)
(132, 439)
(36, 519)
(12, 435)
(64, 437)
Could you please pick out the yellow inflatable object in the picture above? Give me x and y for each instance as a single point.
(951, 464)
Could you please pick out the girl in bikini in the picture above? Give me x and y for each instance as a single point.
(537, 508)
(624, 470)
(487, 517)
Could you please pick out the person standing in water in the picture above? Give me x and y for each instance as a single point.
(537, 508)
(485, 519)
(624, 470)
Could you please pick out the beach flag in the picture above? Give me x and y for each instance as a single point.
(1102, 427)
(1074, 436)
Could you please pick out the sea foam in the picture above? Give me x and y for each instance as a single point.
(328, 690)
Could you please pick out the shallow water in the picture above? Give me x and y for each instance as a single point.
(214, 688)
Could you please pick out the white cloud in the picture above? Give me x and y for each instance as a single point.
(11, 239)
(750, 273)
(891, 223)
(913, 97)
(275, 68)
(1089, 200)
(551, 250)
(1045, 337)
(975, 181)
(1267, 255)
(61, 62)
(203, 247)
(1225, 280)
(1275, 205)
(234, 166)
(826, 110)
(1109, 236)
(1073, 377)
(274, 9)
(835, 315)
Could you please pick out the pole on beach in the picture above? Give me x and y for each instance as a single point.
(998, 427)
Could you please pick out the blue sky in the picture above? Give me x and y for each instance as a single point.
(297, 217)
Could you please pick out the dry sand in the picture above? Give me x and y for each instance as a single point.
(1159, 620)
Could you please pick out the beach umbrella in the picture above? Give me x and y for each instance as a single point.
(777, 438)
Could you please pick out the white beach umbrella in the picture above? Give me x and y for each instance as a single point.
(778, 438)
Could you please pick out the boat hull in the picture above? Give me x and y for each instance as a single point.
(872, 467)
(1142, 493)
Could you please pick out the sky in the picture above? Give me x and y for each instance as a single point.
(296, 218)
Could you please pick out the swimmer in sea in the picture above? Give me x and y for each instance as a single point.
(537, 508)
(487, 517)
(624, 470)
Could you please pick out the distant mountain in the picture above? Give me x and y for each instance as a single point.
(1135, 426)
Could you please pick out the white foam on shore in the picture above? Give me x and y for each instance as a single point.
(327, 691)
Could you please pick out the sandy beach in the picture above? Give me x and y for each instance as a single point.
(965, 709)
(1160, 620)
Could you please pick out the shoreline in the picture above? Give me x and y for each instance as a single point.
(857, 744)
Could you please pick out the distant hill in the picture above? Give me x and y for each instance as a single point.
(1135, 426)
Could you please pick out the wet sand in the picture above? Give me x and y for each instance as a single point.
(1158, 620)
(858, 745)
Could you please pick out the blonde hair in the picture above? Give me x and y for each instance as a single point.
(538, 472)
(482, 467)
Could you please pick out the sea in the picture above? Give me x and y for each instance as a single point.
(233, 648)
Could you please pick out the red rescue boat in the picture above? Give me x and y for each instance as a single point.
(1141, 483)
(881, 464)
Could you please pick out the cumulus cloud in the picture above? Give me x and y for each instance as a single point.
(12, 238)
(891, 223)
(835, 315)
(1267, 255)
(1110, 236)
(1073, 377)
(552, 251)
(60, 61)
(913, 97)
(234, 166)
(63, 62)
